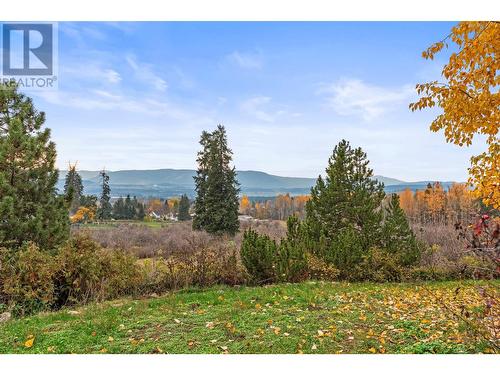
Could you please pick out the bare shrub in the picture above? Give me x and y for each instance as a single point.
(275, 229)
(177, 239)
(26, 279)
(446, 255)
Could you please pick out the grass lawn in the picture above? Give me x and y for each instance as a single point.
(286, 318)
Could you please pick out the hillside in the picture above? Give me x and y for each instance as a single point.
(173, 182)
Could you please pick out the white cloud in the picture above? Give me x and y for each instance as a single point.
(256, 107)
(144, 72)
(246, 60)
(355, 97)
(90, 71)
(97, 99)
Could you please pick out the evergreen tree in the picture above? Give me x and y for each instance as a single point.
(398, 237)
(184, 208)
(30, 208)
(73, 188)
(347, 197)
(89, 201)
(105, 209)
(119, 209)
(216, 204)
(129, 208)
(140, 210)
(343, 216)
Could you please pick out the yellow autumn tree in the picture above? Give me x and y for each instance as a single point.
(461, 204)
(83, 215)
(407, 202)
(245, 205)
(469, 98)
(436, 202)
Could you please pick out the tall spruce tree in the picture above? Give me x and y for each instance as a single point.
(216, 204)
(30, 208)
(73, 188)
(105, 208)
(184, 208)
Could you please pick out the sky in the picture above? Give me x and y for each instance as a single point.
(138, 95)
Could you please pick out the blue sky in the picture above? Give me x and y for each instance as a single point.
(138, 95)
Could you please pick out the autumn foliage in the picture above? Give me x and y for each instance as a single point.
(435, 205)
(470, 99)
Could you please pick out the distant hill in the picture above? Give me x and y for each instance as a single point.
(173, 182)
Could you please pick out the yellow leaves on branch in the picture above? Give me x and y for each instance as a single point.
(470, 100)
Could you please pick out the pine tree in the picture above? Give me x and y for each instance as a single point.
(119, 209)
(30, 208)
(105, 209)
(129, 208)
(347, 197)
(184, 208)
(73, 188)
(89, 201)
(398, 237)
(140, 210)
(216, 204)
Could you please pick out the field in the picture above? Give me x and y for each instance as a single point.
(312, 317)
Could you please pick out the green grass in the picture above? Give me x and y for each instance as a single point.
(286, 318)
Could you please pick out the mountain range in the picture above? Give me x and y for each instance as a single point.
(165, 183)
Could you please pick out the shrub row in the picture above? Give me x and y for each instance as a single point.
(82, 271)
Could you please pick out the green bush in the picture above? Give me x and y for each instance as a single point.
(345, 252)
(319, 269)
(397, 236)
(291, 262)
(258, 254)
(26, 279)
(438, 273)
(268, 262)
(380, 265)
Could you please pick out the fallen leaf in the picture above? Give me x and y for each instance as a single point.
(29, 342)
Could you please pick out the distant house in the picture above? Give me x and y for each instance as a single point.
(171, 217)
(154, 215)
(245, 218)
